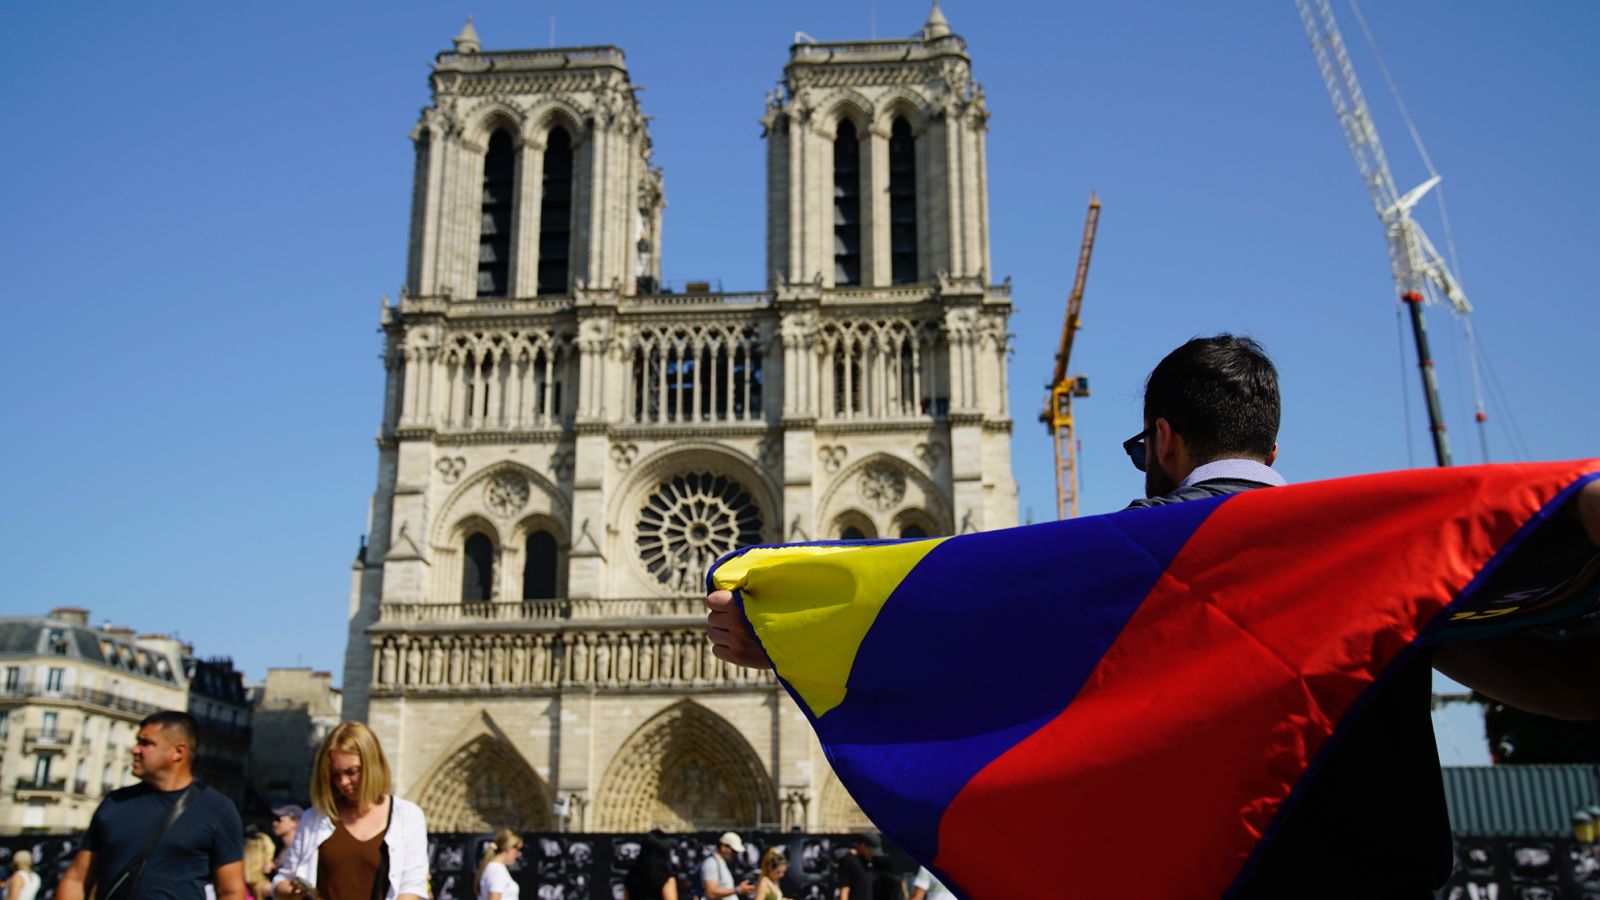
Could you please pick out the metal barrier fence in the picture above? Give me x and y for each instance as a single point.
(558, 866)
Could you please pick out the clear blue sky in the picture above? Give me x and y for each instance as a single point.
(202, 204)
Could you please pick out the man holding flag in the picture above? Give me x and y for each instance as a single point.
(1291, 638)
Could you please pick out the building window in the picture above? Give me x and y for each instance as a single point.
(690, 520)
(555, 213)
(13, 679)
(53, 679)
(539, 567)
(58, 642)
(846, 205)
(51, 720)
(902, 203)
(494, 234)
(477, 572)
(41, 770)
(852, 533)
(5, 724)
(913, 531)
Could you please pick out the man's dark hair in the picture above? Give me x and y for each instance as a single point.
(183, 725)
(1221, 394)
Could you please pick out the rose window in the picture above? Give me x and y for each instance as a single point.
(688, 521)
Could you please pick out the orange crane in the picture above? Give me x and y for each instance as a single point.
(1057, 414)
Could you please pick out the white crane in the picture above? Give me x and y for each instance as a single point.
(1420, 273)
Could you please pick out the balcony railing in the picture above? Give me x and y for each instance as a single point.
(543, 611)
(80, 787)
(54, 787)
(82, 695)
(45, 739)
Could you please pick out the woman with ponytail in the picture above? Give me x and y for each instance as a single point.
(494, 872)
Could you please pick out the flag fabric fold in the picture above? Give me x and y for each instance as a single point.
(996, 700)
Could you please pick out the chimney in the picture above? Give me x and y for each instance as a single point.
(77, 615)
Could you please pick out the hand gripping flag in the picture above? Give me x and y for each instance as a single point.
(1044, 692)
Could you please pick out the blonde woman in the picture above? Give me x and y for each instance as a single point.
(773, 865)
(358, 840)
(494, 872)
(258, 853)
(24, 881)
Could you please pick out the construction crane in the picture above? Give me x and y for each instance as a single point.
(1057, 414)
(1420, 273)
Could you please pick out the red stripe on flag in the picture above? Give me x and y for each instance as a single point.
(1279, 612)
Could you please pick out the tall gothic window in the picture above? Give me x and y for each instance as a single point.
(494, 235)
(846, 205)
(902, 202)
(555, 213)
(477, 570)
(539, 567)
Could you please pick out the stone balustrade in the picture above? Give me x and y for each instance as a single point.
(616, 658)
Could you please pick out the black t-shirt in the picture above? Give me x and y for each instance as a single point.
(206, 836)
(853, 875)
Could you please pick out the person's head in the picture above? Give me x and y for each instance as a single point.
(730, 845)
(350, 771)
(502, 848)
(285, 819)
(22, 861)
(258, 856)
(164, 745)
(868, 845)
(1212, 398)
(774, 863)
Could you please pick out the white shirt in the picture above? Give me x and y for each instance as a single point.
(407, 840)
(497, 880)
(715, 870)
(927, 882)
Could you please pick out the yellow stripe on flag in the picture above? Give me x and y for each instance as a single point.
(811, 606)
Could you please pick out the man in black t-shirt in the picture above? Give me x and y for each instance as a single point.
(205, 843)
(854, 883)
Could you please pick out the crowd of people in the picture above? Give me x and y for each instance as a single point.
(171, 836)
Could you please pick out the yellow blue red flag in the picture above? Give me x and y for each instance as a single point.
(1187, 663)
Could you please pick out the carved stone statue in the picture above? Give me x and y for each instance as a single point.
(497, 662)
(413, 664)
(386, 664)
(475, 664)
(580, 659)
(456, 662)
(647, 659)
(625, 658)
(519, 662)
(537, 673)
(435, 662)
(602, 659)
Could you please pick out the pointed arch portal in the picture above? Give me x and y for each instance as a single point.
(686, 769)
(485, 786)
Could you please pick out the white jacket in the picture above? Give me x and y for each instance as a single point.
(407, 840)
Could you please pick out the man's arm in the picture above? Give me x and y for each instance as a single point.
(731, 637)
(1559, 679)
(229, 880)
(71, 886)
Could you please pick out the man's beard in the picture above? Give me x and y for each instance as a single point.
(1156, 482)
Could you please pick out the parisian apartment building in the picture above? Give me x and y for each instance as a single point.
(71, 702)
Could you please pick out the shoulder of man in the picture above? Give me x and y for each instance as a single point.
(1211, 487)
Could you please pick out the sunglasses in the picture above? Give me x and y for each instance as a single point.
(1136, 449)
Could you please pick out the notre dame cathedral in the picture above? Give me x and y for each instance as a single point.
(567, 445)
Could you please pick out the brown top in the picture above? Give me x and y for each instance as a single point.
(346, 867)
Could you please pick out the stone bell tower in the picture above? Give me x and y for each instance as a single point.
(878, 253)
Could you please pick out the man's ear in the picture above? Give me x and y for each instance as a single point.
(1164, 444)
(1273, 456)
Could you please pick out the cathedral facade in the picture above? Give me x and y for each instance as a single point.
(567, 445)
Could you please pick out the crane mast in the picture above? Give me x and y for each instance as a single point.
(1063, 387)
(1420, 273)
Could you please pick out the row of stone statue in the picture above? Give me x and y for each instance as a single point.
(554, 659)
